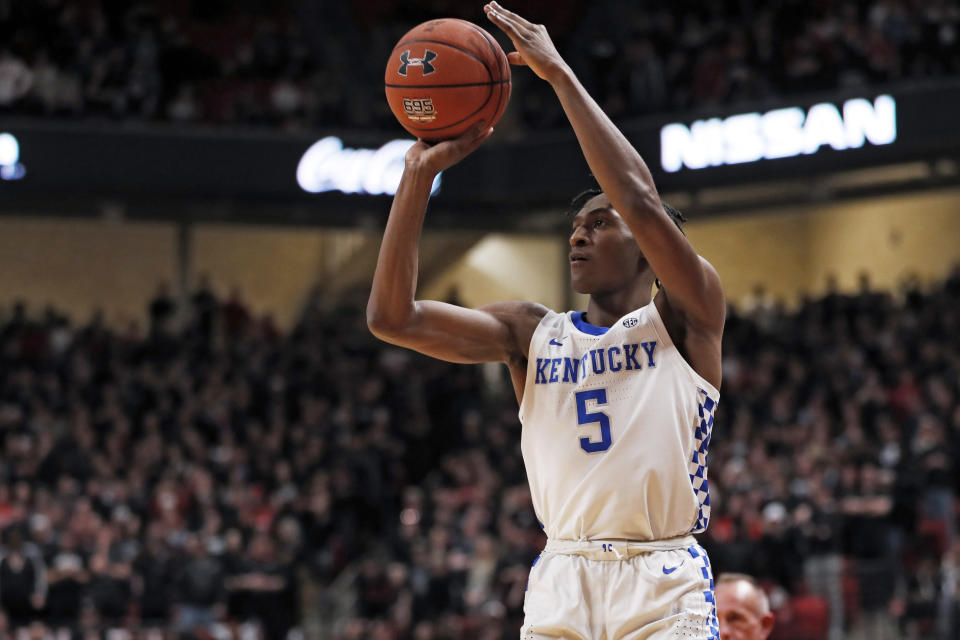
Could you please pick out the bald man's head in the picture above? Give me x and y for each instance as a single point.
(742, 608)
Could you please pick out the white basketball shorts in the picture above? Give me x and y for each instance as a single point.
(618, 590)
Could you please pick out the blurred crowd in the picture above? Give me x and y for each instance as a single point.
(648, 57)
(208, 471)
(834, 470)
(309, 64)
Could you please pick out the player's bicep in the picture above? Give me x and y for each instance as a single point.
(457, 334)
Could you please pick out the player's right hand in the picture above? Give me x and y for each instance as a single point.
(439, 156)
(534, 47)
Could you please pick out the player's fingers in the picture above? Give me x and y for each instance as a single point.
(476, 142)
(477, 130)
(514, 57)
(510, 27)
(516, 18)
(510, 24)
(468, 138)
(458, 148)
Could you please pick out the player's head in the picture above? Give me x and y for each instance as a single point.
(742, 608)
(604, 256)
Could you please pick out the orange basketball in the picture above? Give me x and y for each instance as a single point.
(444, 76)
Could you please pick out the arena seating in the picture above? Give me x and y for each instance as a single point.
(218, 469)
(295, 64)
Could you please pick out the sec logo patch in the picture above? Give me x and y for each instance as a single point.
(630, 322)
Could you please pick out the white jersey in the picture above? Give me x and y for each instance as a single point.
(616, 427)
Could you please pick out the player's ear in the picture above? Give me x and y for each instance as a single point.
(766, 624)
(642, 264)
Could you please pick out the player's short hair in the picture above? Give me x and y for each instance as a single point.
(581, 199)
(584, 197)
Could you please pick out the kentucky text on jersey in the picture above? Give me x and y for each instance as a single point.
(627, 357)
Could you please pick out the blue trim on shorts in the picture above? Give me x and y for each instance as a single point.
(713, 625)
(535, 561)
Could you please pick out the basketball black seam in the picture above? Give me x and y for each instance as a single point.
(493, 49)
(443, 86)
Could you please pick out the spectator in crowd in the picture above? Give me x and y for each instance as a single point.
(266, 587)
(109, 589)
(743, 609)
(153, 571)
(204, 310)
(200, 587)
(236, 315)
(67, 577)
(23, 586)
(162, 309)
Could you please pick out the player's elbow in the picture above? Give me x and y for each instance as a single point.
(384, 325)
(377, 322)
(383, 331)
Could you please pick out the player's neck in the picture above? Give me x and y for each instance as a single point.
(604, 309)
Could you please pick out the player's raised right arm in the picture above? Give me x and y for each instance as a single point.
(445, 331)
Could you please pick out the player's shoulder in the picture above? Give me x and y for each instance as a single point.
(709, 270)
(516, 310)
(521, 319)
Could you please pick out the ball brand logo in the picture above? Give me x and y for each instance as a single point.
(781, 133)
(630, 322)
(420, 109)
(328, 166)
(425, 63)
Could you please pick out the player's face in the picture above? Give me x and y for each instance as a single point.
(738, 612)
(604, 256)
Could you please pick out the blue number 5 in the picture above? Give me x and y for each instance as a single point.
(600, 395)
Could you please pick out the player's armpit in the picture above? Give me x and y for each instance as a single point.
(697, 333)
(698, 296)
(498, 332)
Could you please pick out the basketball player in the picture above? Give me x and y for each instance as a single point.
(742, 608)
(616, 402)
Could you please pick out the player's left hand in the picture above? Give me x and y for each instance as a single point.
(534, 46)
(440, 156)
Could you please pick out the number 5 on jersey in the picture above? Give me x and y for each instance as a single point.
(583, 417)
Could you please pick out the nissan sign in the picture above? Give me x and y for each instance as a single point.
(780, 133)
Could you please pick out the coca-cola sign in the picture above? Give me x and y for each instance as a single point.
(329, 166)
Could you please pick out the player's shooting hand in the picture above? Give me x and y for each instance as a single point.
(534, 46)
(438, 156)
